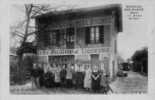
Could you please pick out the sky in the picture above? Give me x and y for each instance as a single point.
(135, 34)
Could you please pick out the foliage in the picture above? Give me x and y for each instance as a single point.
(140, 60)
(21, 74)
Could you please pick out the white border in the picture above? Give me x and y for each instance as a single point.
(4, 65)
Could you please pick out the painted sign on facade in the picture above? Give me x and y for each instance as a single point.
(77, 51)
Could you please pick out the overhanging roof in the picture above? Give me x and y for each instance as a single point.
(87, 12)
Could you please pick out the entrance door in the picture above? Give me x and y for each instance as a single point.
(95, 60)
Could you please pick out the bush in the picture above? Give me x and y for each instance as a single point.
(20, 72)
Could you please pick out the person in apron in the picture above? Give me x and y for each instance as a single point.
(103, 78)
(57, 76)
(76, 78)
(33, 74)
(103, 81)
(51, 75)
(87, 78)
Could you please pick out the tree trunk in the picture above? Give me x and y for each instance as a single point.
(20, 63)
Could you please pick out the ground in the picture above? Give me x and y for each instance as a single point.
(134, 83)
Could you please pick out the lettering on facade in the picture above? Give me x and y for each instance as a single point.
(74, 51)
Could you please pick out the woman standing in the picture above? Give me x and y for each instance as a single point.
(69, 76)
(33, 74)
(103, 81)
(76, 78)
(96, 77)
(87, 78)
(57, 76)
(63, 75)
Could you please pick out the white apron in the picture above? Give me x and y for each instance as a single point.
(87, 79)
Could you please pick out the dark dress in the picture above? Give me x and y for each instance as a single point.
(49, 79)
(63, 77)
(35, 75)
(41, 79)
(96, 82)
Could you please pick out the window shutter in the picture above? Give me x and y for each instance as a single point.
(87, 35)
(57, 37)
(101, 30)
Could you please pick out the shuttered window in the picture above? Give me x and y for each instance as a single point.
(101, 30)
(53, 37)
(70, 37)
(87, 35)
(94, 34)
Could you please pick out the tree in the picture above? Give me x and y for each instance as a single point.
(23, 30)
(140, 60)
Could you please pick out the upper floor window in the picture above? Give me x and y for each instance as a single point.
(62, 37)
(70, 34)
(94, 34)
(70, 37)
(54, 37)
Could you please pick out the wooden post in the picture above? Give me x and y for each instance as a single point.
(75, 33)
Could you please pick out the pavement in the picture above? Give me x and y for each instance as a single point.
(134, 83)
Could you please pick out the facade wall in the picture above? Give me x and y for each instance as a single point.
(107, 59)
(80, 38)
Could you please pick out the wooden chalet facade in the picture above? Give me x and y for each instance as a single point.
(86, 36)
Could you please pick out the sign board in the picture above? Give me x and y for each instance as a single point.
(77, 51)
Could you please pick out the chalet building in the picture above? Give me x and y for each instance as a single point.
(86, 36)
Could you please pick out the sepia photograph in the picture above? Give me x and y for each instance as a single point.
(78, 48)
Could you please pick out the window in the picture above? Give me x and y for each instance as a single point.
(54, 37)
(62, 38)
(94, 34)
(70, 35)
(70, 38)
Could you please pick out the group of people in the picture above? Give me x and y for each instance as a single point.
(70, 76)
